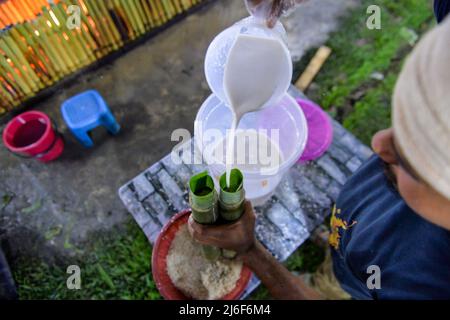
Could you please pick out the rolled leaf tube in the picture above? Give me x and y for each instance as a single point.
(203, 198)
(203, 201)
(231, 201)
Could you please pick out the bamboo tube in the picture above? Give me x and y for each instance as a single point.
(89, 24)
(66, 50)
(110, 27)
(138, 28)
(4, 16)
(176, 4)
(23, 9)
(141, 11)
(160, 8)
(29, 5)
(11, 98)
(85, 33)
(135, 11)
(96, 23)
(186, 4)
(113, 28)
(15, 63)
(80, 51)
(98, 48)
(8, 13)
(22, 60)
(167, 9)
(17, 78)
(118, 20)
(86, 56)
(102, 23)
(15, 15)
(49, 41)
(12, 87)
(155, 13)
(18, 46)
(231, 201)
(148, 13)
(11, 101)
(28, 9)
(130, 16)
(51, 60)
(172, 7)
(125, 18)
(25, 48)
(203, 201)
(35, 6)
(50, 53)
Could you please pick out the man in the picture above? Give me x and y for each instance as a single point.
(394, 213)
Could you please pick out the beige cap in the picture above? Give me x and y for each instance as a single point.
(421, 115)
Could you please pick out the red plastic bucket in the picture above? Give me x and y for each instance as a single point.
(159, 263)
(32, 135)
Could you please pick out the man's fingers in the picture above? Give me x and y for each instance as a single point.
(206, 232)
(275, 13)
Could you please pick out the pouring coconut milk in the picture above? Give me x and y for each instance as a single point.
(255, 68)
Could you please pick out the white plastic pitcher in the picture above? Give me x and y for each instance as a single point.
(285, 115)
(220, 47)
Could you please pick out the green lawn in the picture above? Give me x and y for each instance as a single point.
(118, 266)
(345, 86)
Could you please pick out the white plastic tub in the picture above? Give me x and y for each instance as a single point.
(286, 116)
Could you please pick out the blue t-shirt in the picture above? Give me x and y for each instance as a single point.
(441, 9)
(372, 225)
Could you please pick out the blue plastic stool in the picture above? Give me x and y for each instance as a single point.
(86, 111)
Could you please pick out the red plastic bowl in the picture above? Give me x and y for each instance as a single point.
(159, 263)
(32, 135)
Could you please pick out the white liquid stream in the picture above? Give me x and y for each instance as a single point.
(254, 69)
(254, 152)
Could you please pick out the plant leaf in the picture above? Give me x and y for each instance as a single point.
(34, 207)
(6, 199)
(105, 277)
(236, 181)
(53, 232)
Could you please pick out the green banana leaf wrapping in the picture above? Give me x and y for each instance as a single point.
(203, 202)
(211, 253)
(203, 199)
(231, 201)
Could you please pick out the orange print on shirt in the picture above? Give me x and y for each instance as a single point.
(337, 224)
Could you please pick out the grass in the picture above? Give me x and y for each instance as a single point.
(345, 87)
(118, 266)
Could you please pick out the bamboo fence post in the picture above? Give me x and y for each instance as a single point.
(17, 66)
(19, 61)
(80, 49)
(112, 26)
(33, 59)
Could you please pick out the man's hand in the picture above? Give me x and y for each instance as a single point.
(238, 236)
(271, 10)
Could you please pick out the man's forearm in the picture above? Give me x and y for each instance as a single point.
(279, 281)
